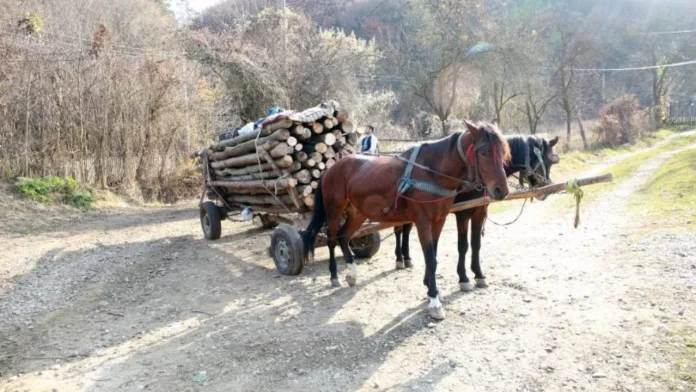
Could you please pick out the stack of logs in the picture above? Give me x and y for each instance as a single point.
(277, 168)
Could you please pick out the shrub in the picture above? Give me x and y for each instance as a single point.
(56, 189)
(621, 121)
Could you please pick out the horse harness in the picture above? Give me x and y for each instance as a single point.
(473, 181)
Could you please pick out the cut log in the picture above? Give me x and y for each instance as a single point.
(316, 156)
(278, 151)
(282, 183)
(309, 201)
(283, 162)
(321, 166)
(316, 173)
(261, 199)
(301, 156)
(329, 123)
(348, 127)
(222, 175)
(320, 148)
(291, 141)
(303, 176)
(309, 163)
(330, 153)
(327, 138)
(241, 139)
(302, 132)
(314, 184)
(341, 116)
(317, 127)
(351, 138)
(299, 147)
(330, 162)
(305, 190)
(249, 146)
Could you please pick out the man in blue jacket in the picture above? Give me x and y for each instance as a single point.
(368, 143)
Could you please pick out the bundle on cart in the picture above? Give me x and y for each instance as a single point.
(276, 167)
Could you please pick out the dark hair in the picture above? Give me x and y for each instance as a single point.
(371, 128)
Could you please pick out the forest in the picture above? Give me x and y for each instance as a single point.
(117, 93)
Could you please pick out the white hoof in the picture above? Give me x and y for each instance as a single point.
(352, 275)
(335, 283)
(481, 283)
(466, 287)
(408, 263)
(435, 309)
(400, 265)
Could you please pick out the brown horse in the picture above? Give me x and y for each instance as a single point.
(419, 186)
(531, 157)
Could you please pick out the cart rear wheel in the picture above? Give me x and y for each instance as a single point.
(287, 250)
(365, 246)
(211, 219)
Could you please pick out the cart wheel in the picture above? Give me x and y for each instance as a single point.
(365, 246)
(287, 250)
(211, 220)
(268, 221)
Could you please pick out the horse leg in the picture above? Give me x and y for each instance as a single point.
(353, 222)
(399, 257)
(428, 237)
(404, 245)
(476, 227)
(463, 218)
(333, 228)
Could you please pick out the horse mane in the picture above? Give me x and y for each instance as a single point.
(519, 149)
(496, 138)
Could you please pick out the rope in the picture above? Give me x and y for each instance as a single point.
(508, 223)
(574, 189)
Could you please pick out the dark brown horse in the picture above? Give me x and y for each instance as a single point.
(532, 157)
(419, 186)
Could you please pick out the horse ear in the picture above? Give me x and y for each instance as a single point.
(472, 128)
(553, 141)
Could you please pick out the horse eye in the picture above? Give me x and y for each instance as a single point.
(484, 153)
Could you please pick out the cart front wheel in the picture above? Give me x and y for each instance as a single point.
(287, 250)
(211, 220)
(366, 246)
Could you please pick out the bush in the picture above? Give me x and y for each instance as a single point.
(621, 121)
(56, 189)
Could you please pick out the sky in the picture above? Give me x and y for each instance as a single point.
(199, 5)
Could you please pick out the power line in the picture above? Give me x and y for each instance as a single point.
(667, 32)
(680, 64)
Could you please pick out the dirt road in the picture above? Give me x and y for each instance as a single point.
(134, 299)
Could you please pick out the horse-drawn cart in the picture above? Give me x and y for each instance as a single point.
(272, 172)
(287, 247)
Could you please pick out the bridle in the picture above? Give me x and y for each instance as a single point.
(471, 159)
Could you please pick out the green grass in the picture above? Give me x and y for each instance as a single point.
(56, 189)
(669, 196)
(684, 366)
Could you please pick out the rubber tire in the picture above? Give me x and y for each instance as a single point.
(369, 246)
(211, 211)
(287, 250)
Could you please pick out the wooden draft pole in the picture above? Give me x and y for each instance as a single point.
(482, 201)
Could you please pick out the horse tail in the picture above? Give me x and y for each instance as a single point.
(309, 236)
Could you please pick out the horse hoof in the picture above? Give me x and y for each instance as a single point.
(437, 313)
(400, 265)
(408, 263)
(481, 283)
(352, 281)
(466, 287)
(335, 283)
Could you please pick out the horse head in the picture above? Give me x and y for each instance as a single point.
(488, 154)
